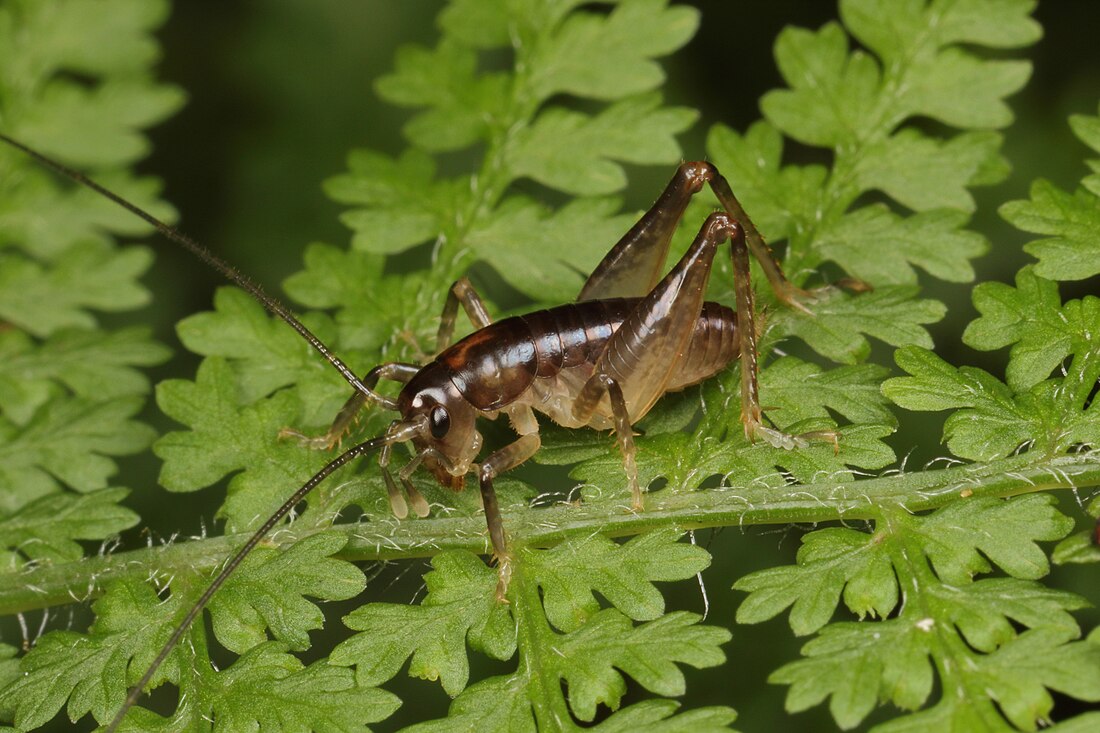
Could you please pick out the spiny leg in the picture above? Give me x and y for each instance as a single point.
(784, 290)
(461, 291)
(634, 265)
(751, 412)
(394, 371)
(787, 292)
(624, 434)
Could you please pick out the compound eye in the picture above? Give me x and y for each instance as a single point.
(439, 421)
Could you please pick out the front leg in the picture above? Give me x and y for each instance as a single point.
(497, 463)
(394, 371)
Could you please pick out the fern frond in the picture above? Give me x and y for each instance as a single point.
(520, 103)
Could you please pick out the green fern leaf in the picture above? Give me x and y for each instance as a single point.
(963, 538)
(90, 671)
(270, 590)
(571, 574)
(1032, 320)
(218, 444)
(522, 96)
(268, 689)
(1072, 219)
(830, 561)
(461, 603)
(858, 665)
(657, 716)
(67, 441)
(47, 529)
(592, 656)
(855, 670)
(88, 277)
(891, 314)
(498, 703)
(69, 391)
(88, 363)
(635, 130)
(1032, 410)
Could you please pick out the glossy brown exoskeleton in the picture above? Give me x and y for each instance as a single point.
(601, 362)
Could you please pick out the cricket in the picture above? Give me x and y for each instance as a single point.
(551, 364)
(601, 362)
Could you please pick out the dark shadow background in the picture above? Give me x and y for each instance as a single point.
(280, 91)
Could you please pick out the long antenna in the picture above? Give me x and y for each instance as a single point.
(228, 271)
(231, 565)
(397, 432)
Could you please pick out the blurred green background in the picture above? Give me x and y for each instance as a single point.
(280, 91)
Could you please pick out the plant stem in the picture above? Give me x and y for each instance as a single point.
(535, 638)
(45, 586)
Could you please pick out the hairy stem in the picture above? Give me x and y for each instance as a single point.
(45, 586)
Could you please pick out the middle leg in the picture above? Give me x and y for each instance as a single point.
(505, 459)
(461, 291)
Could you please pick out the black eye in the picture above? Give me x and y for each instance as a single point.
(440, 421)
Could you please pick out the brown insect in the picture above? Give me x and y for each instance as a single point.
(600, 362)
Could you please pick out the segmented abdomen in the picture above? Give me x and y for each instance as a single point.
(498, 364)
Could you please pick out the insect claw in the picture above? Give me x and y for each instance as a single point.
(302, 438)
(853, 285)
(779, 439)
(829, 436)
(797, 297)
(797, 304)
(504, 577)
(325, 442)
